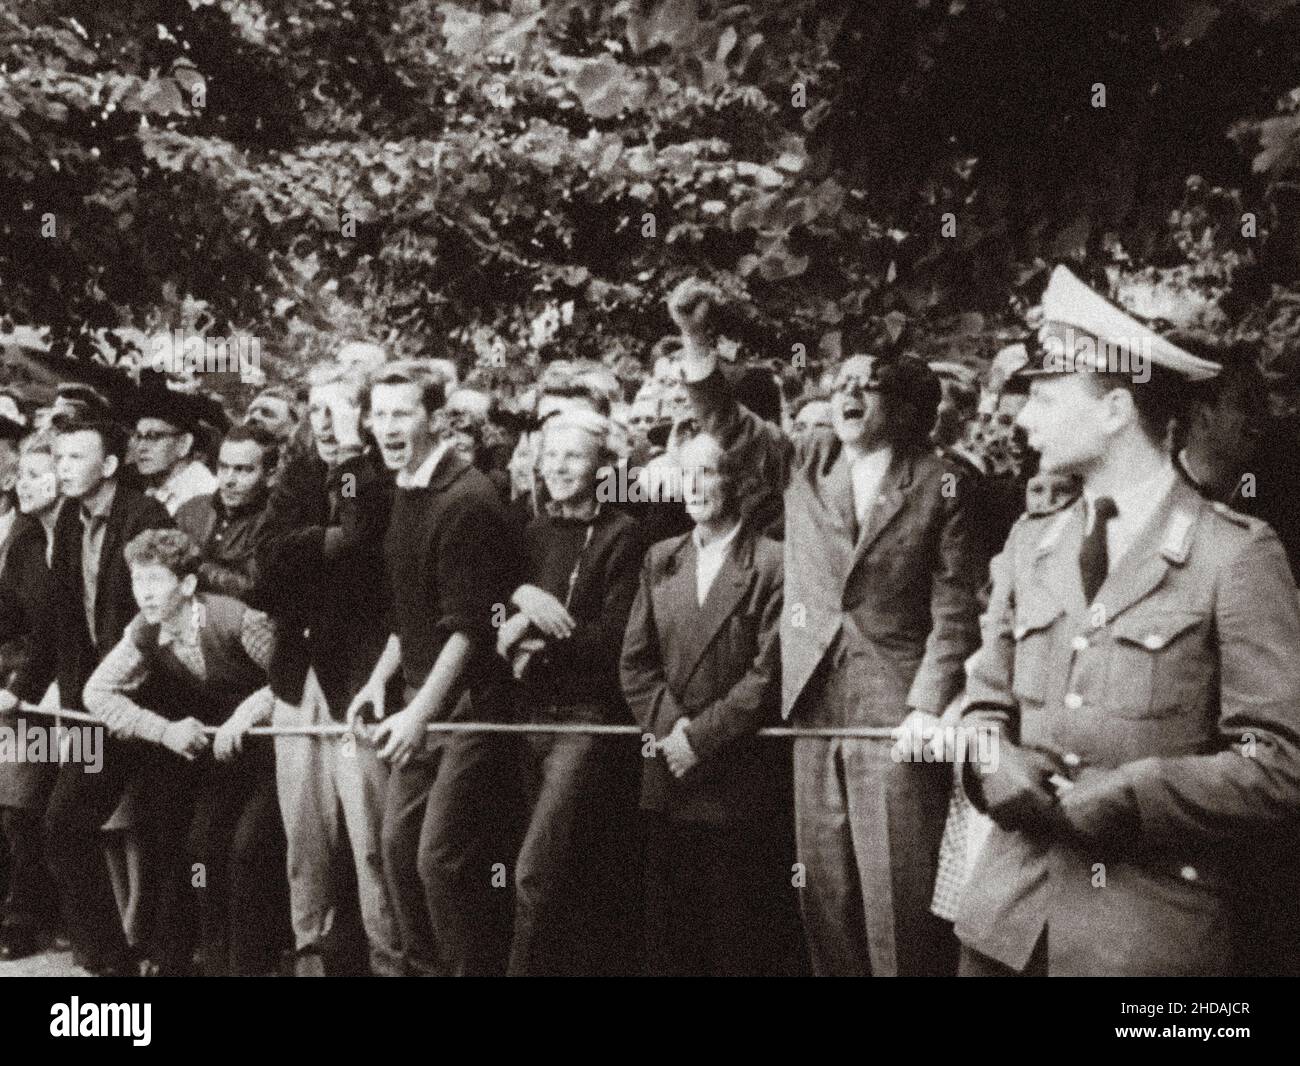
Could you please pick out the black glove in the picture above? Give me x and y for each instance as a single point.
(1098, 811)
(1017, 794)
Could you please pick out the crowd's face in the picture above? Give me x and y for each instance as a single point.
(240, 472)
(1067, 422)
(1045, 492)
(158, 446)
(271, 413)
(522, 464)
(570, 461)
(363, 355)
(37, 487)
(706, 489)
(401, 425)
(335, 417)
(81, 464)
(858, 414)
(159, 593)
(676, 402)
(470, 402)
(812, 417)
(643, 415)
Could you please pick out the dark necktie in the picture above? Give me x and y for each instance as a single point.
(1094, 561)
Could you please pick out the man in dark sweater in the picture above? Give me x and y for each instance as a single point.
(452, 562)
(319, 554)
(564, 644)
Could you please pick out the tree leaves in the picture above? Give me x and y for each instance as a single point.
(606, 88)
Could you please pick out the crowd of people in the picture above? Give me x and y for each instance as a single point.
(1082, 565)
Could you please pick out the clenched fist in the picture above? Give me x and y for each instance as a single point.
(691, 304)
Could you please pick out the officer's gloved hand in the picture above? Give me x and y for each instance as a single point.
(1016, 791)
(1098, 810)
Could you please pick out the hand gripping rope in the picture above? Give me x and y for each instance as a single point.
(586, 729)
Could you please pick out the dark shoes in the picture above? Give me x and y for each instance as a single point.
(17, 942)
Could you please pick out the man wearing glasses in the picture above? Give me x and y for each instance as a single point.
(163, 447)
(881, 577)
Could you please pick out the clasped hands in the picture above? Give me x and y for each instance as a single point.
(1034, 791)
(677, 751)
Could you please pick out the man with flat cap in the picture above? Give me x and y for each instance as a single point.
(163, 448)
(1141, 661)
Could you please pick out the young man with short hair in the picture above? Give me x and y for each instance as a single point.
(564, 643)
(89, 609)
(452, 560)
(319, 557)
(187, 661)
(1141, 667)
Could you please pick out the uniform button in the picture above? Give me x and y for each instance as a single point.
(1152, 642)
(1079, 643)
(1071, 760)
(1073, 700)
(1188, 873)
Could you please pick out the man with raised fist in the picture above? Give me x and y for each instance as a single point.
(881, 576)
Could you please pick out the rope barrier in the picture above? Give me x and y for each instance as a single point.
(581, 728)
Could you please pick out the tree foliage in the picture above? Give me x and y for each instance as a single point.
(510, 182)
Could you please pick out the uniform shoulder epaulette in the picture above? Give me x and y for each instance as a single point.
(1235, 517)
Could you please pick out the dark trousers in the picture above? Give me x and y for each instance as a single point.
(31, 902)
(79, 806)
(718, 900)
(572, 895)
(447, 856)
(237, 838)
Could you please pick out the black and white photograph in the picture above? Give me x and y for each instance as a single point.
(650, 488)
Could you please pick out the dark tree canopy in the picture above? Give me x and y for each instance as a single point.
(507, 182)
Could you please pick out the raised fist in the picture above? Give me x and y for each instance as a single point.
(691, 304)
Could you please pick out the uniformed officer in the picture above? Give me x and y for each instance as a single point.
(1141, 654)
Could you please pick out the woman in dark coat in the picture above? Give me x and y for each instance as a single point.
(25, 787)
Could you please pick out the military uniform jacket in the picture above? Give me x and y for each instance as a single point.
(1183, 674)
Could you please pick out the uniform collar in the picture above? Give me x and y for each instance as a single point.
(1135, 502)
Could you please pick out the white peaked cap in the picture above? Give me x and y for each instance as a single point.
(1069, 302)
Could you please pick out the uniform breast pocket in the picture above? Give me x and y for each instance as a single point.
(1158, 663)
(1034, 632)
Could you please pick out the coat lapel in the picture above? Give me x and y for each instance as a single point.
(111, 549)
(889, 501)
(675, 610)
(834, 491)
(726, 592)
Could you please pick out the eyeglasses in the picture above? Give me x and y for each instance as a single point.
(152, 436)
